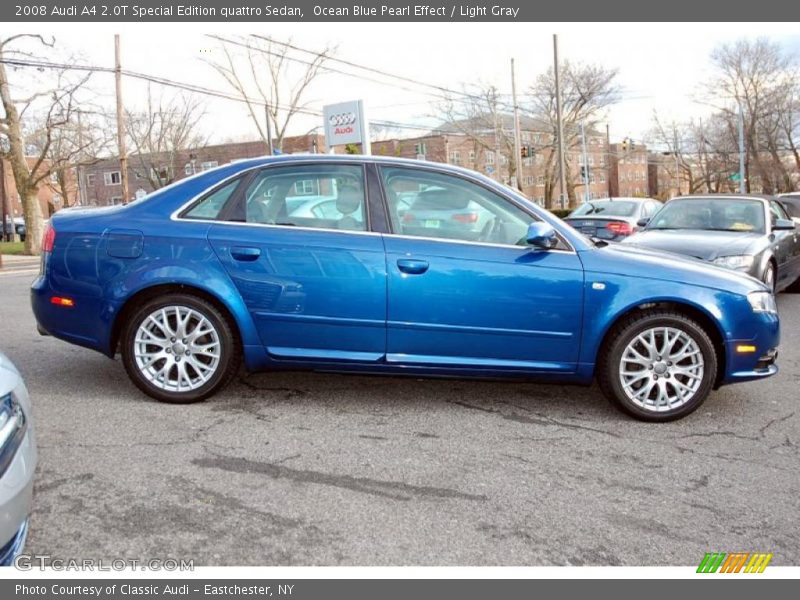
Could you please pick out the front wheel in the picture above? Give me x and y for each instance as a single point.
(179, 349)
(658, 366)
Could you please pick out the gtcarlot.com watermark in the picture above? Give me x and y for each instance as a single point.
(30, 562)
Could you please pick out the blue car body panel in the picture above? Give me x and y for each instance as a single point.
(379, 302)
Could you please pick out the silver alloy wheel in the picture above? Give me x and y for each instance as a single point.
(661, 369)
(177, 349)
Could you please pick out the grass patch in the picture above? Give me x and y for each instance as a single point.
(12, 247)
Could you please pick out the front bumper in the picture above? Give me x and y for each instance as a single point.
(14, 547)
(755, 357)
(16, 492)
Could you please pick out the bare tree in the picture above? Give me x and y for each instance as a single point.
(30, 151)
(163, 132)
(759, 78)
(479, 115)
(268, 80)
(587, 91)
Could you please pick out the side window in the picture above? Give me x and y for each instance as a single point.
(426, 204)
(211, 206)
(318, 196)
(777, 211)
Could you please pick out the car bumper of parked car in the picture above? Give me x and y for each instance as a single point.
(16, 491)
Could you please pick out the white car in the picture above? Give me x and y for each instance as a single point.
(17, 461)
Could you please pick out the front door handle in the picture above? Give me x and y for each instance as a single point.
(245, 253)
(412, 266)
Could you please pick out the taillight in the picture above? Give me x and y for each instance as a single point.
(620, 228)
(466, 217)
(48, 239)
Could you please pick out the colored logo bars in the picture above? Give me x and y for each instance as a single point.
(744, 562)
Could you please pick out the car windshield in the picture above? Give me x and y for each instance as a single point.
(611, 208)
(711, 214)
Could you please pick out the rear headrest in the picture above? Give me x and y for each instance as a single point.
(349, 199)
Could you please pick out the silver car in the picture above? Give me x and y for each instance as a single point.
(750, 234)
(17, 462)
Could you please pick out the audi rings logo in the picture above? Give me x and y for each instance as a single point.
(338, 120)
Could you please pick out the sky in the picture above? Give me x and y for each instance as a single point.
(663, 68)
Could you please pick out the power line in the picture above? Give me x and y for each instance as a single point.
(187, 87)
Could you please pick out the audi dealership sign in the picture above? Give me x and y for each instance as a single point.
(345, 123)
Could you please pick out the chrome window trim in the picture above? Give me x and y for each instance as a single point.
(470, 243)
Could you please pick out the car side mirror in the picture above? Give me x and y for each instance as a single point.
(783, 225)
(642, 222)
(541, 235)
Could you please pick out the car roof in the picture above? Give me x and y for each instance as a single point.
(712, 196)
(618, 199)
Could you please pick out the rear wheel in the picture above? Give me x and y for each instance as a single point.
(658, 366)
(179, 349)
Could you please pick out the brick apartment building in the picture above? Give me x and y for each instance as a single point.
(53, 194)
(628, 173)
(610, 170)
(101, 183)
(492, 158)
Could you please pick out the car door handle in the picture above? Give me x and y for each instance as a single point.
(412, 266)
(245, 253)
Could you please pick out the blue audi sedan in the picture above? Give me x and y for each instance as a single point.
(226, 268)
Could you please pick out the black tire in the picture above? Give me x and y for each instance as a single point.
(608, 369)
(229, 349)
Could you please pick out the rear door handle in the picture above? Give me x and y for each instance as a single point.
(412, 266)
(245, 253)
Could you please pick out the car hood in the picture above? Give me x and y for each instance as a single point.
(637, 261)
(705, 245)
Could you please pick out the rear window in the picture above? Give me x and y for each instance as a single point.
(610, 208)
(210, 207)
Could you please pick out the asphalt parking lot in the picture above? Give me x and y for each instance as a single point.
(312, 469)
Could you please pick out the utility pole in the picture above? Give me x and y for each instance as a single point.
(517, 140)
(123, 153)
(561, 162)
(741, 150)
(677, 165)
(585, 164)
(270, 149)
(609, 169)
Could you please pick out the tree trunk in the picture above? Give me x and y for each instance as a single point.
(34, 223)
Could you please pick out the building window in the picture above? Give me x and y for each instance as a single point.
(503, 159)
(528, 180)
(421, 150)
(472, 156)
(489, 155)
(602, 177)
(209, 164)
(116, 200)
(112, 178)
(188, 169)
(540, 180)
(90, 179)
(161, 173)
(306, 187)
(455, 157)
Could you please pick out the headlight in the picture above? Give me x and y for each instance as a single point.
(12, 429)
(762, 302)
(738, 261)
